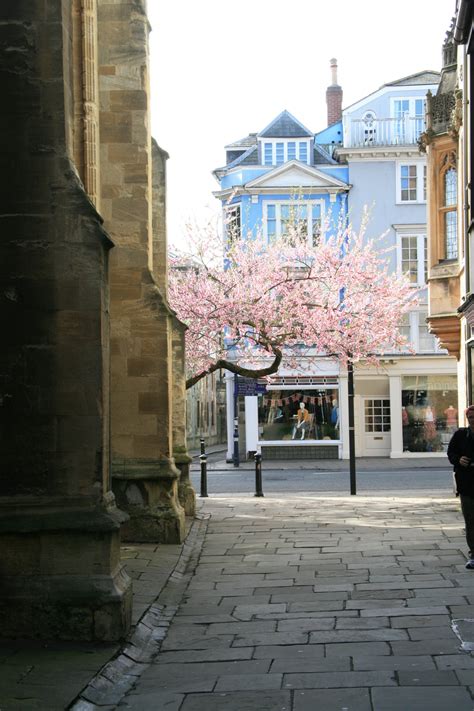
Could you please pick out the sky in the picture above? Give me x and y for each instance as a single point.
(222, 69)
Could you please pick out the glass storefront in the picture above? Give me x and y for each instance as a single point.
(299, 415)
(429, 413)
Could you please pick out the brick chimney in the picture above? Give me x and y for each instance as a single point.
(334, 96)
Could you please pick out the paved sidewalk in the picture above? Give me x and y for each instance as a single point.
(363, 464)
(48, 676)
(326, 603)
(291, 603)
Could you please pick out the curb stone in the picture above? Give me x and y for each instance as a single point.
(121, 674)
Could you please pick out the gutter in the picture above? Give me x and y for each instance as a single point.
(462, 26)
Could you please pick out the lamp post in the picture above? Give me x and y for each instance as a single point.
(350, 393)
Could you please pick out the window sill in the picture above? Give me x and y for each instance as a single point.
(444, 269)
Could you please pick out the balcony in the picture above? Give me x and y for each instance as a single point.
(371, 132)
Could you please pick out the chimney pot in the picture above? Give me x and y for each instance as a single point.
(334, 96)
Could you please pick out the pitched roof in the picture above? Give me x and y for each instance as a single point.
(322, 157)
(425, 77)
(285, 126)
(248, 157)
(419, 79)
(245, 142)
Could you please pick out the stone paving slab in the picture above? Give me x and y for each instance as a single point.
(435, 698)
(332, 700)
(238, 701)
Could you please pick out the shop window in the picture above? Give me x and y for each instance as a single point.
(429, 414)
(299, 415)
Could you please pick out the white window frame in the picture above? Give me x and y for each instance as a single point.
(293, 203)
(233, 207)
(385, 416)
(418, 231)
(411, 114)
(420, 197)
(285, 141)
(414, 319)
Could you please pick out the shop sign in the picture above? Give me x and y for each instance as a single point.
(249, 386)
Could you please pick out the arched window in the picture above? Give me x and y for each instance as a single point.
(369, 121)
(448, 206)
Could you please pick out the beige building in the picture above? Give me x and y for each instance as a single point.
(92, 397)
(448, 145)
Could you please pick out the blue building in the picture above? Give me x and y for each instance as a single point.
(367, 156)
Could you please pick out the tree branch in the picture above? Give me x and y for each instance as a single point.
(238, 369)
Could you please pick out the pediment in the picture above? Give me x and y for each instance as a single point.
(296, 175)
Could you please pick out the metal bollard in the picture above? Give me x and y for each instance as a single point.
(203, 445)
(258, 475)
(203, 459)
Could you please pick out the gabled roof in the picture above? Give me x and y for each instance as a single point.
(285, 126)
(296, 174)
(425, 77)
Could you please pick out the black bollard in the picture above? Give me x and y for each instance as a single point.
(203, 445)
(258, 475)
(203, 459)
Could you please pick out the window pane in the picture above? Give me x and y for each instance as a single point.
(268, 154)
(280, 153)
(451, 234)
(291, 150)
(450, 197)
(233, 222)
(377, 415)
(408, 182)
(303, 151)
(410, 257)
(427, 341)
(425, 259)
(429, 414)
(298, 415)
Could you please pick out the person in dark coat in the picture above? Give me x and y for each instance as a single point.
(461, 456)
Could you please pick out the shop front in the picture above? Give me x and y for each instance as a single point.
(429, 412)
(300, 419)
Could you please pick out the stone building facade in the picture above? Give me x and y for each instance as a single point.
(92, 409)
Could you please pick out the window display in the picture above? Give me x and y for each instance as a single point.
(299, 415)
(429, 415)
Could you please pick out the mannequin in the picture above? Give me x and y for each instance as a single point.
(335, 414)
(302, 421)
(429, 424)
(451, 417)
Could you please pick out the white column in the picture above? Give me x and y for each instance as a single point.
(395, 385)
(251, 423)
(229, 394)
(344, 415)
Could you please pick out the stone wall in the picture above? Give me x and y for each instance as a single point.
(59, 528)
(145, 474)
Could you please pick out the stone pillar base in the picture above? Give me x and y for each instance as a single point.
(186, 492)
(148, 492)
(62, 577)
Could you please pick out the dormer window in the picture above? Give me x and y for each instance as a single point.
(277, 151)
